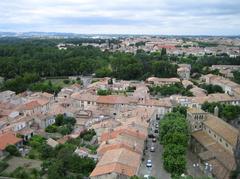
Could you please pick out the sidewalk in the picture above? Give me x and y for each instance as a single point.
(191, 160)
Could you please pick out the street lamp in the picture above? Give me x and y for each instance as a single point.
(195, 166)
(208, 168)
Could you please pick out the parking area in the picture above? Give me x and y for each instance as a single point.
(156, 170)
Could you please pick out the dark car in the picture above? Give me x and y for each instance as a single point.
(156, 131)
(151, 136)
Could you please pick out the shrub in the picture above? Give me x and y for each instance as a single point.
(104, 92)
(88, 135)
(66, 81)
(51, 129)
(12, 150)
(3, 165)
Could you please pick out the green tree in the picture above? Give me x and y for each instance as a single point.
(102, 92)
(177, 138)
(176, 165)
(36, 141)
(3, 166)
(12, 150)
(181, 109)
(46, 151)
(59, 120)
(56, 170)
(103, 72)
(212, 88)
(51, 129)
(226, 111)
(236, 76)
(163, 51)
(20, 173)
(174, 136)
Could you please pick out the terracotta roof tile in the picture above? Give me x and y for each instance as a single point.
(113, 134)
(223, 129)
(225, 157)
(8, 139)
(106, 147)
(113, 168)
(121, 161)
(84, 97)
(112, 99)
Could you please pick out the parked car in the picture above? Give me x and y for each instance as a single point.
(154, 139)
(155, 131)
(149, 163)
(146, 176)
(151, 136)
(152, 149)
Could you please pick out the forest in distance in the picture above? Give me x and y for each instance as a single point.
(27, 61)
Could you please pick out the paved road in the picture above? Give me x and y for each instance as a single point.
(157, 169)
(86, 80)
(193, 171)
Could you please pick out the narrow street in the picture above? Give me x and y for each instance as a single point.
(157, 169)
(191, 161)
(86, 80)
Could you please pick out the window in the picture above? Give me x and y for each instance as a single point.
(88, 102)
(209, 131)
(215, 135)
(226, 145)
(221, 140)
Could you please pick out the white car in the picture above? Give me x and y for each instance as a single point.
(146, 176)
(149, 163)
(152, 149)
(154, 140)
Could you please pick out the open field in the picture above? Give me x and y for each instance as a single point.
(15, 162)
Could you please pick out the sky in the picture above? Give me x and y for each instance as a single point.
(162, 17)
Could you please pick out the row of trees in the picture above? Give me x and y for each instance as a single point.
(212, 88)
(236, 76)
(30, 81)
(104, 92)
(226, 111)
(168, 90)
(174, 136)
(43, 58)
(200, 65)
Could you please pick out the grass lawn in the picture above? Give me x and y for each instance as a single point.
(15, 162)
(58, 82)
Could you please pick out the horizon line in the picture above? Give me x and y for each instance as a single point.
(131, 34)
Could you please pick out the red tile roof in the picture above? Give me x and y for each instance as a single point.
(31, 105)
(113, 168)
(8, 139)
(106, 147)
(34, 104)
(112, 99)
(120, 161)
(113, 134)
